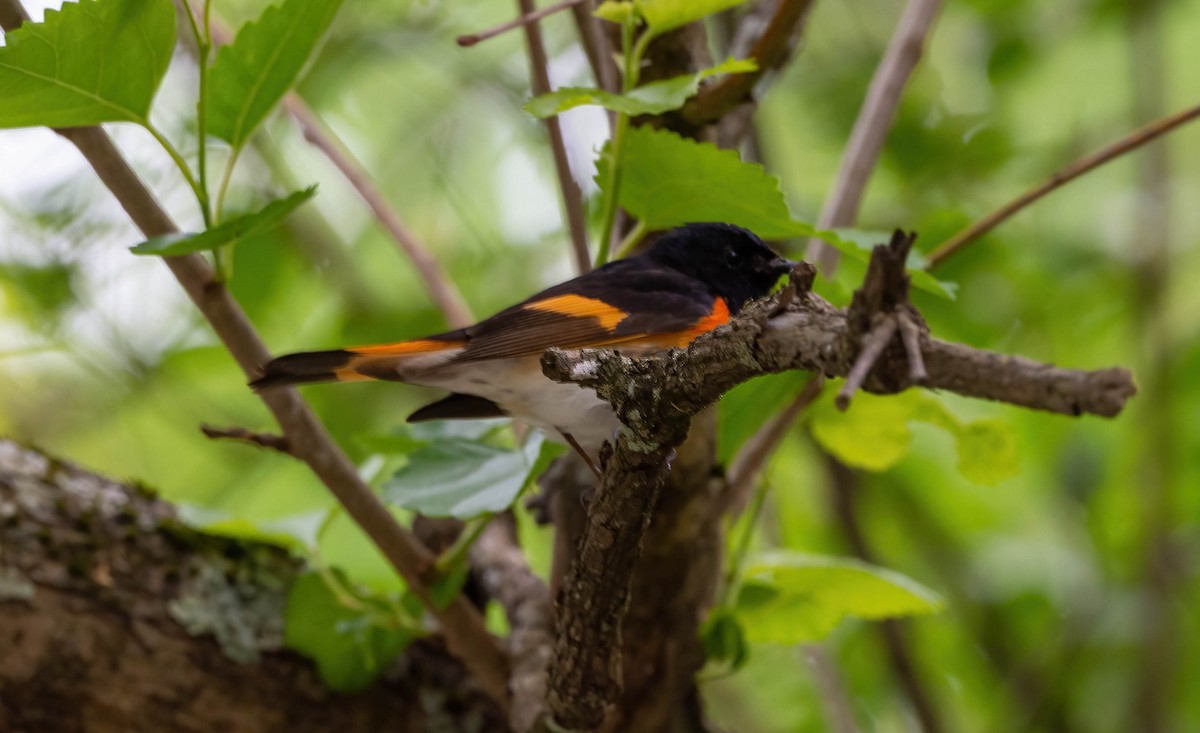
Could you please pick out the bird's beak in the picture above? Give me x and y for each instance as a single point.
(781, 265)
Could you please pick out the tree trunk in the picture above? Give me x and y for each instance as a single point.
(116, 617)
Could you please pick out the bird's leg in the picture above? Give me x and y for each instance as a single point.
(583, 454)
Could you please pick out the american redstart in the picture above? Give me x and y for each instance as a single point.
(690, 281)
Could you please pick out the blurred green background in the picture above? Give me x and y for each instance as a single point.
(1054, 577)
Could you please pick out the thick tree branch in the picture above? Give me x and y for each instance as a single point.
(874, 120)
(655, 400)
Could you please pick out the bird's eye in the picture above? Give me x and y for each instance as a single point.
(732, 257)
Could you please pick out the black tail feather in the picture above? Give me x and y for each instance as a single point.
(303, 368)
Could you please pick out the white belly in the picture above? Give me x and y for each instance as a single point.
(518, 386)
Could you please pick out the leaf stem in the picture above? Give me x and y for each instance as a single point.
(633, 60)
(733, 576)
(201, 197)
(631, 239)
(456, 554)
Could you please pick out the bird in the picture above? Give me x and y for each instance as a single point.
(691, 280)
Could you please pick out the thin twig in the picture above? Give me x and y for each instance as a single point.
(873, 345)
(269, 441)
(463, 626)
(1132, 141)
(910, 334)
(572, 197)
(596, 47)
(747, 465)
(442, 291)
(526, 18)
(870, 129)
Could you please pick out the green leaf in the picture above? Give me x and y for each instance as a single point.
(724, 639)
(667, 181)
(229, 232)
(463, 478)
(253, 73)
(664, 15)
(857, 244)
(874, 434)
(743, 409)
(350, 650)
(88, 63)
(653, 98)
(614, 11)
(296, 532)
(794, 598)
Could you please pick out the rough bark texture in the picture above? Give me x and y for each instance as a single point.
(117, 618)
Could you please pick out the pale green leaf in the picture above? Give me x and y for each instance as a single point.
(350, 650)
(667, 181)
(744, 408)
(872, 433)
(253, 73)
(614, 11)
(793, 598)
(463, 478)
(653, 98)
(987, 452)
(664, 15)
(88, 63)
(169, 245)
(296, 532)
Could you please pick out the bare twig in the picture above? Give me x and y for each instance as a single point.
(910, 333)
(1115, 150)
(843, 489)
(462, 624)
(873, 345)
(835, 701)
(870, 129)
(572, 197)
(772, 50)
(442, 291)
(747, 465)
(527, 18)
(262, 440)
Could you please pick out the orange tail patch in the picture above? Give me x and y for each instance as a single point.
(344, 365)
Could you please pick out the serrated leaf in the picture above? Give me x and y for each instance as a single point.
(253, 73)
(462, 478)
(653, 98)
(88, 63)
(667, 181)
(350, 651)
(664, 15)
(614, 11)
(229, 232)
(812, 594)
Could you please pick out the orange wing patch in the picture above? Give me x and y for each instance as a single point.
(401, 348)
(577, 305)
(718, 316)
